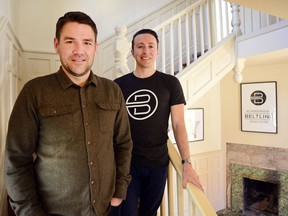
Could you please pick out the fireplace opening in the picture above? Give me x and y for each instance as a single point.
(260, 197)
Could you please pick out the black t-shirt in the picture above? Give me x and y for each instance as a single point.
(148, 103)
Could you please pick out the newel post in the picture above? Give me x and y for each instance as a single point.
(236, 22)
(121, 50)
(240, 64)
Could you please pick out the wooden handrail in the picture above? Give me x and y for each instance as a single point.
(199, 201)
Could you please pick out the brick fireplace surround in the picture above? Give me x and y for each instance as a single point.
(255, 162)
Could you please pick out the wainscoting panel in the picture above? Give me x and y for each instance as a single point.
(10, 77)
(38, 64)
(210, 168)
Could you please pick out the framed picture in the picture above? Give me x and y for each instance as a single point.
(194, 120)
(259, 107)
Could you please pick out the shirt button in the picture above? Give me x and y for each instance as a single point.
(92, 182)
(94, 201)
(55, 111)
(91, 163)
(86, 123)
(88, 142)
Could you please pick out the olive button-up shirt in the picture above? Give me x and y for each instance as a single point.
(80, 139)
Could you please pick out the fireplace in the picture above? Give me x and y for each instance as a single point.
(260, 197)
(258, 191)
(248, 165)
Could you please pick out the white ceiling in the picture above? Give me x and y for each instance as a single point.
(274, 7)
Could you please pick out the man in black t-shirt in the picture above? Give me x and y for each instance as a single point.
(151, 96)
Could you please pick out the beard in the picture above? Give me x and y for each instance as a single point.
(71, 72)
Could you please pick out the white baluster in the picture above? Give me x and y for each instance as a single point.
(236, 19)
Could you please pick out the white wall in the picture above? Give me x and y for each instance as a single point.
(37, 19)
(231, 106)
(210, 102)
(8, 9)
(3, 4)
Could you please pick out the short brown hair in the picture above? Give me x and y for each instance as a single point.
(145, 31)
(75, 16)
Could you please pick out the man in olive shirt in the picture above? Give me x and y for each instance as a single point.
(68, 146)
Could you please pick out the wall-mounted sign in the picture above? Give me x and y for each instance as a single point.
(259, 107)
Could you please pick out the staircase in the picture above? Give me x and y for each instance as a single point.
(191, 44)
(197, 37)
(199, 45)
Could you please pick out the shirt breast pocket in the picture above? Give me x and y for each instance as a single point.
(107, 116)
(56, 124)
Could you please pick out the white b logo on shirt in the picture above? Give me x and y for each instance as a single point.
(141, 104)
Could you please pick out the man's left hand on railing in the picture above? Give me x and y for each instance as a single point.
(190, 175)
